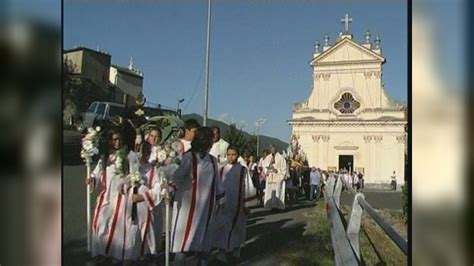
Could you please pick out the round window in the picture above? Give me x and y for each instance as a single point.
(346, 104)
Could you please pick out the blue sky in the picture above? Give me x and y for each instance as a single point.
(259, 50)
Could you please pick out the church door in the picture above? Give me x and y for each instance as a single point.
(346, 161)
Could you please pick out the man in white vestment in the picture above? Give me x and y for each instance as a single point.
(219, 148)
(275, 170)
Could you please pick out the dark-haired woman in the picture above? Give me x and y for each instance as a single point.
(108, 226)
(198, 190)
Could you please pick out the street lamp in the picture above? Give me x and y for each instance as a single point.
(179, 101)
(258, 124)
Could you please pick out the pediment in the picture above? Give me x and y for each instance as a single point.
(348, 51)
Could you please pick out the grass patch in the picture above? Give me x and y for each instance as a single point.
(315, 248)
(375, 246)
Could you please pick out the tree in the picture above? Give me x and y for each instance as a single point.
(236, 138)
(78, 92)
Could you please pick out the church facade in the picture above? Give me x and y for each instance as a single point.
(349, 120)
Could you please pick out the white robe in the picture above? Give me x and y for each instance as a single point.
(219, 150)
(149, 211)
(198, 190)
(108, 220)
(229, 227)
(275, 185)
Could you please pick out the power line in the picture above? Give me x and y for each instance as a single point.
(195, 88)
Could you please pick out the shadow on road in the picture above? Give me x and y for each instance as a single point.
(75, 252)
(270, 237)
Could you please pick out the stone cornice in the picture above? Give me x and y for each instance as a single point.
(377, 57)
(346, 62)
(294, 122)
(366, 110)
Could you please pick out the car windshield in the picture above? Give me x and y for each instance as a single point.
(92, 107)
(101, 109)
(115, 110)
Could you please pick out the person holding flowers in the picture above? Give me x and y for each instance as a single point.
(108, 223)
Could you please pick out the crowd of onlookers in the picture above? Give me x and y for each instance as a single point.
(308, 183)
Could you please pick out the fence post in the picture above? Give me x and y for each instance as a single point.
(330, 186)
(337, 192)
(353, 227)
(343, 254)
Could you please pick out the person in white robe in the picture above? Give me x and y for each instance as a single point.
(154, 137)
(108, 220)
(198, 193)
(148, 199)
(261, 177)
(229, 227)
(275, 170)
(188, 134)
(251, 166)
(219, 147)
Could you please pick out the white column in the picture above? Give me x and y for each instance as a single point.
(326, 150)
(379, 159)
(401, 159)
(373, 174)
(367, 155)
(315, 151)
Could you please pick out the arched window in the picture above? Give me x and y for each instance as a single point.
(347, 104)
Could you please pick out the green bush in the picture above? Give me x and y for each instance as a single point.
(405, 202)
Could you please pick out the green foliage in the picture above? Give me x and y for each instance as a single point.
(236, 138)
(405, 202)
(79, 93)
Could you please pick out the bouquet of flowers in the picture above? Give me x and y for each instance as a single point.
(121, 162)
(135, 178)
(90, 144)
(168, 154)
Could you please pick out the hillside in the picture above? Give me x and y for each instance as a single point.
(265, 141)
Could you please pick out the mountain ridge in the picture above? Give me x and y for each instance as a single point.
(265, 141)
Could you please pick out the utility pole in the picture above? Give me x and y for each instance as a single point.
(258, 124)
(206, 83)
(177, 108)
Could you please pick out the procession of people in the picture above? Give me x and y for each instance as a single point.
(205, 181)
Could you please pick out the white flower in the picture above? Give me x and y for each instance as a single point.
(97, 129)
(95, 150)
(161, 157)
(87, 145)
(89, 130)
(135, 178)
(172, 154)
(138, 139)
(174, 146)
(139, 112)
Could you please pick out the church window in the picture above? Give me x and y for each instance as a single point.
(347, 104)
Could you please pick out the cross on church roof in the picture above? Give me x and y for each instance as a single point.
(346, 21)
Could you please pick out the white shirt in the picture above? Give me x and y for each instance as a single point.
(186, 144)
(219, 150)
(315, 177)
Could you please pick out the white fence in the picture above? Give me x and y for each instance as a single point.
(345, 240)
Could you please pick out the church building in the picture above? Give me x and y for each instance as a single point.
(349, 120)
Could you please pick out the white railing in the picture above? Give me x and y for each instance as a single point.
(345, 241)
